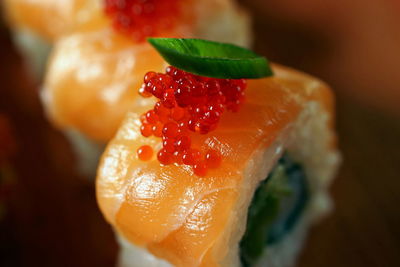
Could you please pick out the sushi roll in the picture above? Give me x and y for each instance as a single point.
(232, 172)
(91, 72)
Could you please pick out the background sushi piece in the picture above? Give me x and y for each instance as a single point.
(37, 24)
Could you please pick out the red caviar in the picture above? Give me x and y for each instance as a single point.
(171, 129)
(165, 157)
(169, 145)
(142, 18)
(145, 153)
(213, 159)
(191, 157)
(188, 104)
(182, 143)
(157, 129)
(151, 116)
(146, 130)
(200, 169)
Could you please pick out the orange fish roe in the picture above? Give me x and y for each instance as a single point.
(200, 169)
(164, 157)
(213, 159)
(142, 18)
(188, 104)
(145, 153)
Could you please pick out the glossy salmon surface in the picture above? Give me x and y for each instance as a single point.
(175, 214)
(93, 80)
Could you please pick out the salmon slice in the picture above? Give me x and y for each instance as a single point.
(92, 81)
(186, 219)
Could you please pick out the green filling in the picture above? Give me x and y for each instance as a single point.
(276, 207)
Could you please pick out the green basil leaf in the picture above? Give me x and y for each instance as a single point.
(212, 59)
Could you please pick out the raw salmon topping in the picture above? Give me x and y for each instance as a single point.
(188, 104)
(142, 18)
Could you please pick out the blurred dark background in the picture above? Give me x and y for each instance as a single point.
(48, 213)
